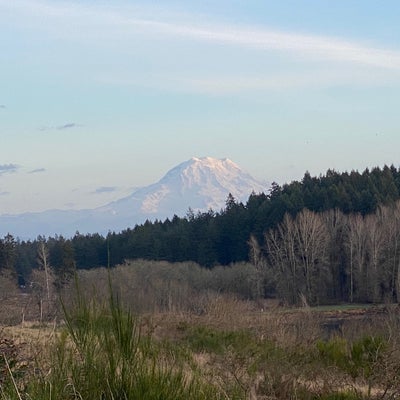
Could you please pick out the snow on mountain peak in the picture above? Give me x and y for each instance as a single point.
(201, 183)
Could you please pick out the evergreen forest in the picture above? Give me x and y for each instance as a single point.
(327, 239)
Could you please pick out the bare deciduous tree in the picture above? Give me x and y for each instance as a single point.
(44, 264)
(298, 250)
(375, 281)
(390, 224)
(43, 284)
(312, 243)
(356, 244)
(335, 222)
(282, 258)
(257, 259)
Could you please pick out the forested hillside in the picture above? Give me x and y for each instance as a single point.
(334, 237)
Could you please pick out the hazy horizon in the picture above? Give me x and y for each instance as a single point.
(99, 97)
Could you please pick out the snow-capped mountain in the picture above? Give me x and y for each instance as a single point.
(199, 183)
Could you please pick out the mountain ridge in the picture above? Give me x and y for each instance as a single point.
(200, 183)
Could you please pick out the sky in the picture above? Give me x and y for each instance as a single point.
(98, 98)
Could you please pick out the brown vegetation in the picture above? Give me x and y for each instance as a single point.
(247, 348)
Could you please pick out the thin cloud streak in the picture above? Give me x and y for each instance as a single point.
(69, 125)
(314, 46)
(318, 47)
(8, 168)
(37, 170)
(227, 85)
(2, 106)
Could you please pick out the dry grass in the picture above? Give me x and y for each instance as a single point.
(250, 349)
(287, 366)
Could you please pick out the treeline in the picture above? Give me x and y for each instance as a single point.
(320, 258)
(221, 238)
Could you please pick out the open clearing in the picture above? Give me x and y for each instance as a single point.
(248, 352)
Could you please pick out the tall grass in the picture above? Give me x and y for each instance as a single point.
(102, 353)
(230, 350)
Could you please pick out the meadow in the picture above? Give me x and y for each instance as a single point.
(147, 330)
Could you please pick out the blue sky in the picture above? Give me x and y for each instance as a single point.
(99, 97)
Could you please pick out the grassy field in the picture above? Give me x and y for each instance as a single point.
(222, 347)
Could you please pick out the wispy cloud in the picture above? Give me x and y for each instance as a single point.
(2, 106)
(105, 189)
(132, 21)
(317, 47)
(69, 125)
(8, 168)
(219, 84)
(291, 59)
(4, 193)
(37, 170)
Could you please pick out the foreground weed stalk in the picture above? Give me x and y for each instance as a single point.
(102, 354)
(12, 377)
